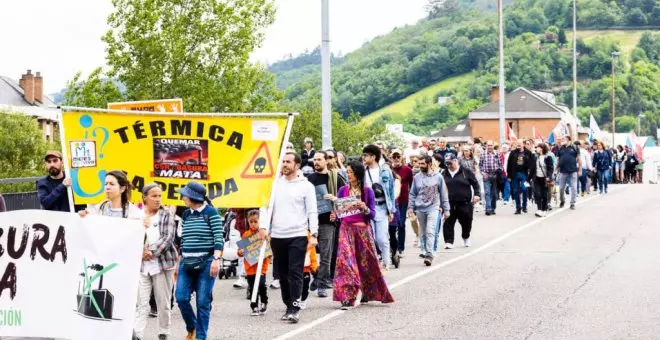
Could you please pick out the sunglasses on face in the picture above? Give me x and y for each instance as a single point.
(396, 156)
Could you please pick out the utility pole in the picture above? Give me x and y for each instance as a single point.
(326, 111)
(614, 55)
(575, 59)
(501, 77)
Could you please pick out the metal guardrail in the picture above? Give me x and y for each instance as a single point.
(18, 180)
(21, 200)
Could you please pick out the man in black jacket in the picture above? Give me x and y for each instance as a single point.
(463, 189)
(518, 170)
(52, 189)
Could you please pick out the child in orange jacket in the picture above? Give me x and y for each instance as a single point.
(311, 266)
(251, 270)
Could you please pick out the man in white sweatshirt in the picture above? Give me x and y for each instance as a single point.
(294, 216)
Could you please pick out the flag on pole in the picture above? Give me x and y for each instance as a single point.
(510, 135)
(537, 134)
(551, 138)
(594, 130)
(633, 144)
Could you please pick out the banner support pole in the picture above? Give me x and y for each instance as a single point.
(66, 161)
(269, 213)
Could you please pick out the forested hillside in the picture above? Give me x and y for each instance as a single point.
(456, 41)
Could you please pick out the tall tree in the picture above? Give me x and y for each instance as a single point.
(95, 91)
(197, 50)
(22, 150)
(562, 37)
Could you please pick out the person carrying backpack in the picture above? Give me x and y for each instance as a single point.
(380, 179)
(202, 243)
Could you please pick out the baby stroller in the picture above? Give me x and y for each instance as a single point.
(229, 260)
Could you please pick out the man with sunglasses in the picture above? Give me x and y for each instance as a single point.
(326, 182)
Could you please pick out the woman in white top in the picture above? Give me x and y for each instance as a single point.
(118, 199)
(159, 259)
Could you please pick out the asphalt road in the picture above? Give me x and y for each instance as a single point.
(592, 273)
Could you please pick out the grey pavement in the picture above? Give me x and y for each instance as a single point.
(591, 273)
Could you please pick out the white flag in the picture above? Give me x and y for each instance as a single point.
(593, 127)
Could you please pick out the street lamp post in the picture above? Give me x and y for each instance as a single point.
(501, 75)
(575, 59)
(614, 55)
(326, 103)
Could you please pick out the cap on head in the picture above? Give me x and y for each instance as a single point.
(397, 151)
(53, 153)
(449, 156)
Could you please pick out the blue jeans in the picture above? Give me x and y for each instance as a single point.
(436, 236)
(402, 210)
(603, 179)
(583, 181)
(518, 184)
(490, 192)
(506, 194)
(381, 231)
(202, 284)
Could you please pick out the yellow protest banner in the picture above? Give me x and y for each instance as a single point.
(160, 105)
(235, 157)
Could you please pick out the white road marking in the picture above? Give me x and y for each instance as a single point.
(432, 269)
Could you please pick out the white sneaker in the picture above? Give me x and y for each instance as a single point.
(466, 242)
(538, 213)
(302, 305)
(449, 246)
(240, 283)
(275, 284)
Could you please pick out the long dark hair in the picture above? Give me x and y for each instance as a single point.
(122, 180)
(358, 172)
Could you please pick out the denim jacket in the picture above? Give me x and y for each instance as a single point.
(387, 181)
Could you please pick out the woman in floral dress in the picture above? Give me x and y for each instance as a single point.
(357, 262)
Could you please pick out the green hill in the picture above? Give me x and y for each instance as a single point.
(395, 77)
(627, 39)
(403, 107)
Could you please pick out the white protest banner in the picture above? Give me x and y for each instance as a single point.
(63, 276)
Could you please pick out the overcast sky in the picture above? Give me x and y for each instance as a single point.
(62, 37)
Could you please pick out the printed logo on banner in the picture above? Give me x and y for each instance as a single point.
(93, 303)
(261, 165)
(83, 154)
(181, 158)
(264, 130)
